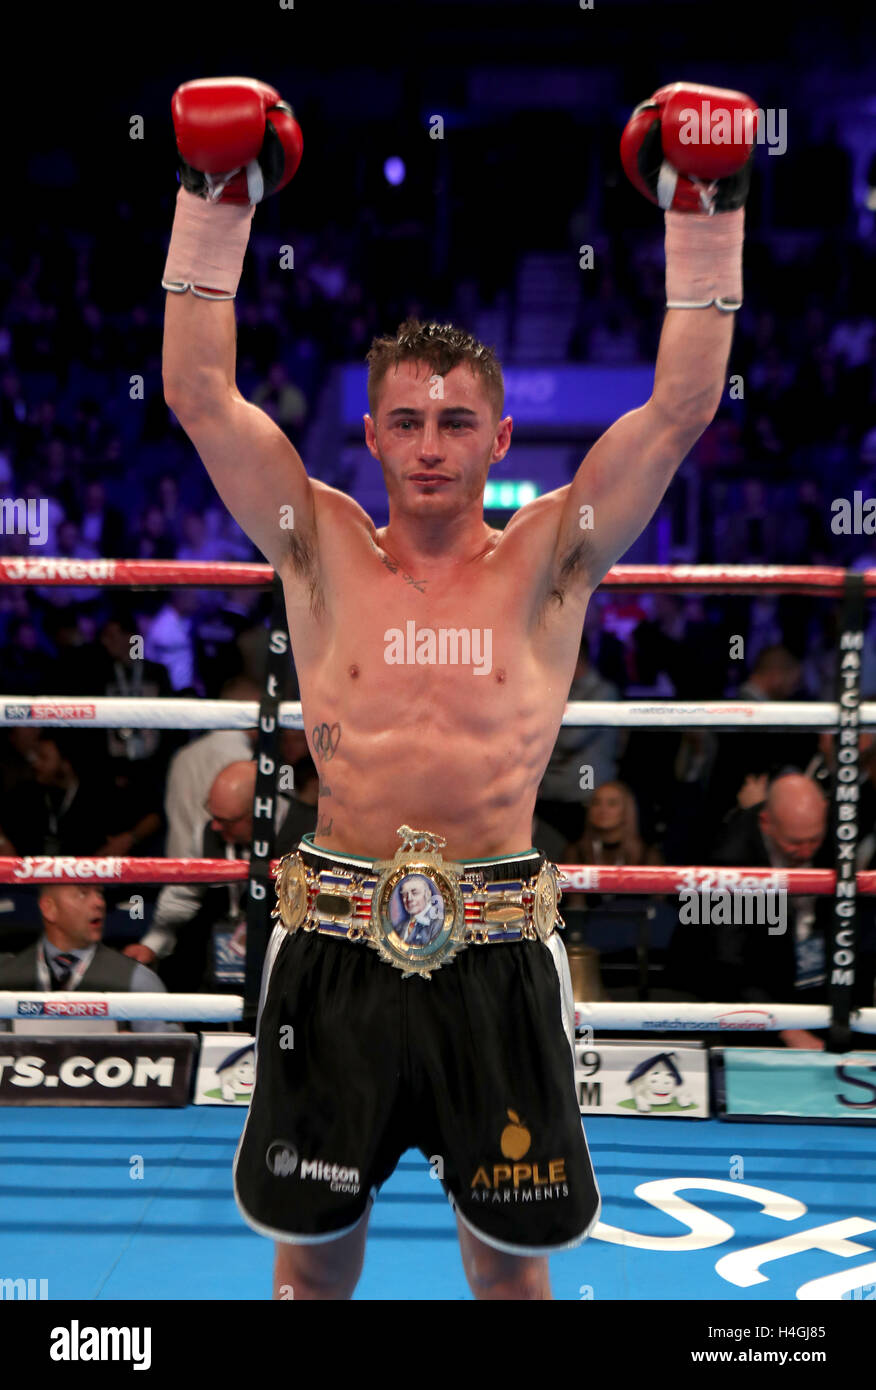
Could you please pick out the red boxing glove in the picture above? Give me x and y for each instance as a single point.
(238, 141)
(690, 148)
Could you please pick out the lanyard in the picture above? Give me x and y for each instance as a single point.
(55, 816)
(47, 982)
(235, 888)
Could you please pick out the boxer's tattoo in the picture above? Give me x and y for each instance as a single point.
(325, 739)
(418, 584)
(324, 826)
(324, 790)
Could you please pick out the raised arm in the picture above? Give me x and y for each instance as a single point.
(255, 469)
(624, 475)
(702, 186)
(240, 125)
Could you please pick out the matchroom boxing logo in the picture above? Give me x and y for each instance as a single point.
(506, 1183)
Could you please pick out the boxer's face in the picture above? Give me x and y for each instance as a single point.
(435, 453)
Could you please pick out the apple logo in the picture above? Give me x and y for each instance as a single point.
(516, 1138)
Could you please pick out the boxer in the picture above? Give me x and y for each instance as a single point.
(434, 657)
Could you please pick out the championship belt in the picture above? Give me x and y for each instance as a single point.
(417, 914)
(417, 910)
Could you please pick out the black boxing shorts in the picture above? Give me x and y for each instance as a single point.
(474, 1066)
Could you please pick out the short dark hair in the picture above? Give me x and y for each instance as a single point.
(442, 347)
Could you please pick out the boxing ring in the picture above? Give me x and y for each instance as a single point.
(679, 1218)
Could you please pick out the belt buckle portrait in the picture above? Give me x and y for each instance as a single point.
(291, 885)
(417, 913)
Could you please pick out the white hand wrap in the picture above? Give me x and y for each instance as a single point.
(207, 247)
(704, 260)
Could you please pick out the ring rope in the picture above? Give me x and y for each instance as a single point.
(143, 712)
(162, 574)
(575, 878)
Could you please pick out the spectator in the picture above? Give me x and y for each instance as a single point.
(196, 544)
(562, 800)
(194, 767)
(786, 831)
(26, 660)
(154, 540)
(101, 527)
(136, 758)
(69, 544)
(611, 831)
(170, 639)
(746, 761)
(66, 809)
(70, 955)
(188, 915)
(281, 398)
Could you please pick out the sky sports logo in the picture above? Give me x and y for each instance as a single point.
(88, 1008)
(55, 710)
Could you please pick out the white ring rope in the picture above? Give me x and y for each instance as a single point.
(109, 712)
(714, 1018)
(84, 1003)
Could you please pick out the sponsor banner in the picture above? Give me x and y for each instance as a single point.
(57, 868)
(226, 1069)
(799, 1084)
(614, 1078)
(56, 571)
(126, 1069)
(45, 711)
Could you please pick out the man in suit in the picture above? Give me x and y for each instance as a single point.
(786, 831)
(424, 911)
(70, 954)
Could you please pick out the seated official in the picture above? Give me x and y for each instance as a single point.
(70, 955)
(748, 964)
(188, 917)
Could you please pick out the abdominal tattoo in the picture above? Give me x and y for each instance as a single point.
(419, 584)
(324, 739)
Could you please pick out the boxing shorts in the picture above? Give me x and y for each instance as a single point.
(470, 1060)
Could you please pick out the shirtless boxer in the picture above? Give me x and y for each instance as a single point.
(470, 1062)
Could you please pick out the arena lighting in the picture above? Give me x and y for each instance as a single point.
(394, 170)
(506, 495)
